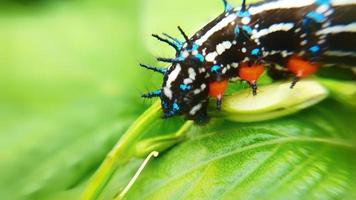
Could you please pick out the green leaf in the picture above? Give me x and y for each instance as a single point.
(309, 155)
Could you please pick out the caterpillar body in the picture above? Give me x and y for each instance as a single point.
(288, 38)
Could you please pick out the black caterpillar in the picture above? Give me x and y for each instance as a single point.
(289, 38)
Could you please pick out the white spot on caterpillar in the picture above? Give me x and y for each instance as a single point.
(340, 53)
(185, 53)
(323, 8)
(235, 65)
(187, 81)
(338, 29)
(191, 73)
(321, 41)
(328, 13)
(301, 53)
(271, 29)
(243, 50)
(246, 20)
(257, 41)
(203, 86)
(281, 4)
(204, 52)
(195, 109)
(220, 49)
(202, 70)
(326, 24)
(224, 70)
(167, 92)
(284, 53)
(304, 42)
(343, 2)
(285, 4)
(246, 59)
(197, 91)
(223, 23)
(211, 56)
(171, 77)
(227, 44)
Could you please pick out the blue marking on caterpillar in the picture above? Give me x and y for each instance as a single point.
(322, 2)
(200, 57)
(243, 13)
(173, 111)
(175, 107)
(318, 17)
(180, 58)
(195, 47)
(215, 68)
(314, 49)
(237, 30)
(247, 29)
(255, 52)
(185, 87)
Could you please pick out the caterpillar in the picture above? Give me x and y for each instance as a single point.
(287, 38)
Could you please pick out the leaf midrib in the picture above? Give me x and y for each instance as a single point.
(283, 140)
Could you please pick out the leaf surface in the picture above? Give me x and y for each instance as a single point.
(301, 156)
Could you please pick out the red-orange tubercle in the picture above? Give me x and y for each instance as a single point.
(251, 73)
(300, 67)
(218, 88)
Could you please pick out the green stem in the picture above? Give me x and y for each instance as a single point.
(119, 154)
(161, 143)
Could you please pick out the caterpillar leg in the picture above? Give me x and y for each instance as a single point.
(217, 90)
(300, 68)
(251, 73)
(198, 112)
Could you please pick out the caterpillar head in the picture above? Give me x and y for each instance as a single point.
(184, 90)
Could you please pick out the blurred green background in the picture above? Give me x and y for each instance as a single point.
(70, 85)
(68, 71)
